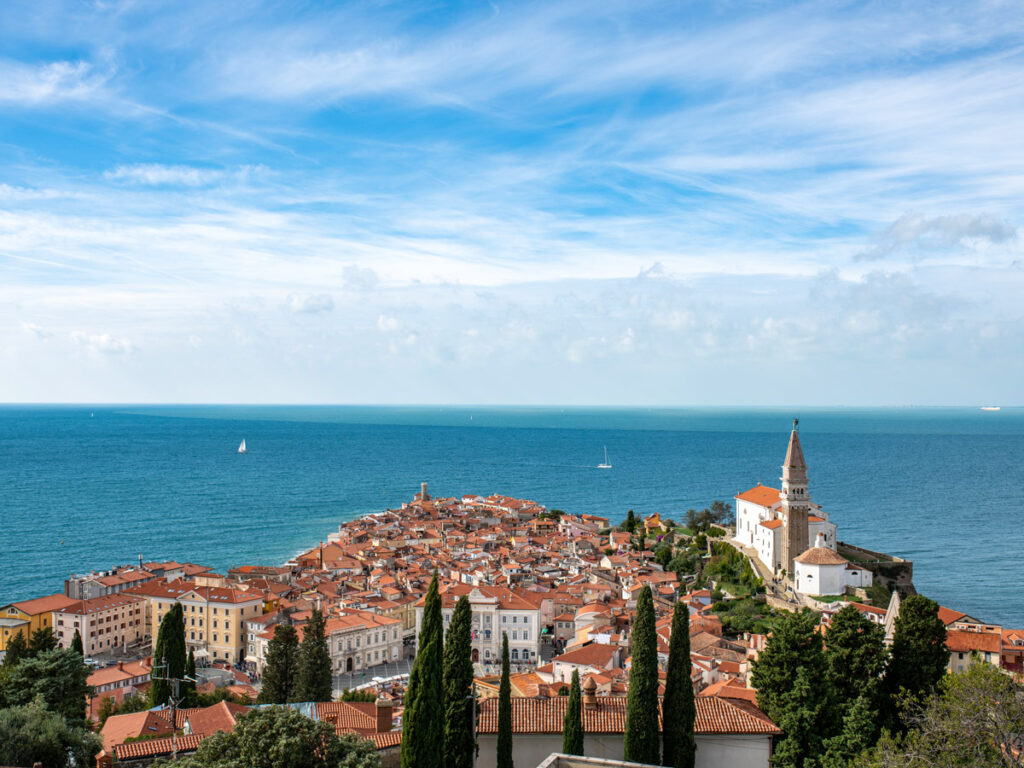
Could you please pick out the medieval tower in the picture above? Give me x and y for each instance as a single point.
(795, 502)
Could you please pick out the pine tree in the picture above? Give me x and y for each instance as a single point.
(641, 742)
(282, 667)
(188, 690)
(504, 709)
(919, 654)
(42, 640)
(679, 711)
(17, 649)
(572, 726)
(459, 739)
(169, 655)
(422, 728)
(860, 731)
(76, 643)
(315, 681)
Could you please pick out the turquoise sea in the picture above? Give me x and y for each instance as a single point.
(84, 487)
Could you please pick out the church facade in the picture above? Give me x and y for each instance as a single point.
(792, 535)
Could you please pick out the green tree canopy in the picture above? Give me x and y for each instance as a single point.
(35, 734)
(642, 741)
(572, 726)
(679, 711)
(76, 643)
(188, 689)
(279, 737)
(57, 677)
(422, 726)
(314, 679)
(42, 640)
(279, 676)
(504, 748)
(459, 744)
(17, 649)
(919, 653)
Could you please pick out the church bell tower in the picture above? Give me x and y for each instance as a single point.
(795, 502)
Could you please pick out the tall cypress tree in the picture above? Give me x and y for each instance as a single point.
(641, 743)
(315, 682)
(422, 729)
(282, 667)
(572, 726)
(504, 709)
(679, 711)
(459, 739)
(76, 643)
(169, 655)
(188, 688)
(919, 653)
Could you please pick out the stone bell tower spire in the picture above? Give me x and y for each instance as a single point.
(795, 501)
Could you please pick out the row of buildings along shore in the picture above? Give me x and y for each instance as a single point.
(561, 587)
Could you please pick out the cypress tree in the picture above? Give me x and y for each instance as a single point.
(459, 739)
(169, 655)
(188, 688)
(315, 681)
(282, 666)
(919, 653)
(572, 726)
(679, 711)
(504, 709)
(76, 643)
(855, 656)
(17, 649)
(422, 729)
(641, 742)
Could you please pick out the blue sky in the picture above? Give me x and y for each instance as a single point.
(551, 202)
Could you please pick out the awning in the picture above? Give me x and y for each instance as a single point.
(251, 658)
(201, 653)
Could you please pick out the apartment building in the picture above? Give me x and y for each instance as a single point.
(107, 623)
(361, 639)
(27, 616)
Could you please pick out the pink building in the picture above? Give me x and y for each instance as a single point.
(106, 623)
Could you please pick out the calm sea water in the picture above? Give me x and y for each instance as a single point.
(90, 487)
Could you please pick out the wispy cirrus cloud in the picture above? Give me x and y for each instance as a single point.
(49, 82)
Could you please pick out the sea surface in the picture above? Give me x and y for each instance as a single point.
(90, 487)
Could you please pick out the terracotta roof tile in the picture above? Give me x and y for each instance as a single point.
(761, 495)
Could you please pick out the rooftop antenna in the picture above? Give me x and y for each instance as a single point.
(175, 701)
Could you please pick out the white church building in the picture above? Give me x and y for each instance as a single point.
(791, 534)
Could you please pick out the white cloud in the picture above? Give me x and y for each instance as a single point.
(358, 278)
(159, 175)
(310, 303)
(102, 343)
(37, 331)
(938, 233)
(38, 84)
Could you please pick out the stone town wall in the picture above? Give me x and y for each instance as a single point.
(895, 573)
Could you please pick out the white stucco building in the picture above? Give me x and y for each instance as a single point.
(823, 571)
(773, 520)
(495, 610)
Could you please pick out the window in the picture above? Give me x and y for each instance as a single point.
(515, 635)
(215, 637)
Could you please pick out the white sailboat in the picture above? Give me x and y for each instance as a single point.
(606, 464)
(241, 446)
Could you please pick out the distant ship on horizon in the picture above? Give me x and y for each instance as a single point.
(990, 408)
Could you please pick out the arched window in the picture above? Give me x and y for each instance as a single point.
(515, 654)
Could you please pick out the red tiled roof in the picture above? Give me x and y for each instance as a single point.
(947, 615)
(761, 495)
(45, 604)
(962, 641)
(154, 747)
(772, 524)
(714, 715)
(594, 654)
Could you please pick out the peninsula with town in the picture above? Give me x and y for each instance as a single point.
(566, 618)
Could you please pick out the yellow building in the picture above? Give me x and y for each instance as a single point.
(29, 615)
(214, 616)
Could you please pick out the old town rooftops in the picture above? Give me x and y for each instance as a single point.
(101, 603)
(46, 604)
(714, 715)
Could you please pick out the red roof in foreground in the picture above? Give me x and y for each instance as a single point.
(714, 715)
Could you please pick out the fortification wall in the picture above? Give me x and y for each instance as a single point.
(895, 573)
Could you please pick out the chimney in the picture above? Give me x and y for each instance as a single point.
(120, 666)
(589, 693)
(149, 662)
(384, 708)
